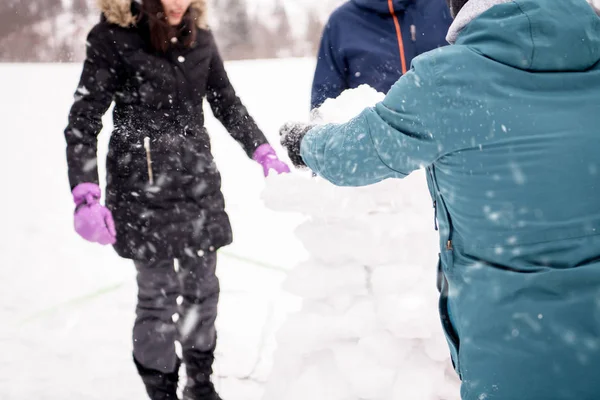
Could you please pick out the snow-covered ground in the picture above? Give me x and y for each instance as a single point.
(66, 306)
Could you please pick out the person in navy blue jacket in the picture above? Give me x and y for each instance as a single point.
(374, 41)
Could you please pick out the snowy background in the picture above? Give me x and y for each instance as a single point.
(55, 30)
(67, 306)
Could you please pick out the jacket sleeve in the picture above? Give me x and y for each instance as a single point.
(228, 108)
(390, 140)
(93, 97)
(330, 79)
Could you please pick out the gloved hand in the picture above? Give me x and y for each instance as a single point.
(93, 221)
(265, 155)
(292, 134)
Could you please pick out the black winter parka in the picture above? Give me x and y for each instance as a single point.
(163, 186)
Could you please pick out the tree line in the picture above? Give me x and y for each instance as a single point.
(52, 31)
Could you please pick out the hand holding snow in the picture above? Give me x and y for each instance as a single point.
(350, 103)
(292, 134)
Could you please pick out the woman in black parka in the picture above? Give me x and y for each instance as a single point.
(164, 208)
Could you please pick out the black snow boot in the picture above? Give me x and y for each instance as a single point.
(159, 385)
(199, 371)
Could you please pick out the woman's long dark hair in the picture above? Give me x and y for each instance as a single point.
(161, 32)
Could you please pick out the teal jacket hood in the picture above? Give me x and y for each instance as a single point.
(537, 36)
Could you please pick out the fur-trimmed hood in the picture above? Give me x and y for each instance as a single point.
(119, 12)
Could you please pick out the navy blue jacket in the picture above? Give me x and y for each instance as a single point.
(361, 44)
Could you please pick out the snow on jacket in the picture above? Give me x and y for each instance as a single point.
(166, 196)
(506, 124)
(362, 44)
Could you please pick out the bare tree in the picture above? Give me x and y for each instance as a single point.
(81, 7)
(314, 31)
(19, 38)
(283, 31)
(264, 38)
(235, 33)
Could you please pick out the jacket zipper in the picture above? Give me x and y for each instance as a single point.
(435, 223)
(449, 243)
(413, 33)
(149, 160)
(398, 36)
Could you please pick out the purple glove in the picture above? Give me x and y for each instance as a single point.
(265, 155)
(93, 222)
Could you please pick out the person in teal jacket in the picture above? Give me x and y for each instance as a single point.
(506, 123)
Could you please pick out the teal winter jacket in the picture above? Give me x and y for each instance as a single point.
(507, 124)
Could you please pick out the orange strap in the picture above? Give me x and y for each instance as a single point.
(398, 35)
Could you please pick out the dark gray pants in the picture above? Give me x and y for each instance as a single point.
(177, 301)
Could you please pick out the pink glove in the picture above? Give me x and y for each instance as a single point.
(93, 221)
(265, 155)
